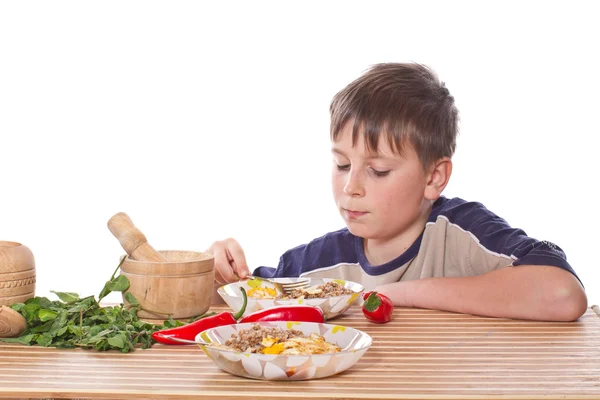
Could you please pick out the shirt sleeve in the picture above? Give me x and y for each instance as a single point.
(495, 235)
(290, 265)
(327, 250)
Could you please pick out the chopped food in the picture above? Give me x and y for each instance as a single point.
(265, 340)
(263, 293)
(329, 289)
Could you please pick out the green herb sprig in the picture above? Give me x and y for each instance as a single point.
(74, 322)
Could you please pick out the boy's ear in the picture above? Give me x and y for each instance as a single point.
(438, 178)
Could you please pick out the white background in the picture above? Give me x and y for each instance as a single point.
(203, 121)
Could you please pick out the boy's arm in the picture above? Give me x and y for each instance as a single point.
(530, 292)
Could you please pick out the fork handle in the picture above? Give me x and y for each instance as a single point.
(258, 278)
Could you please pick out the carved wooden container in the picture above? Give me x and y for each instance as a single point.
(17, 273)
(182, 286)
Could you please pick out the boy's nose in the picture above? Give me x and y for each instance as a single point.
(354, 186)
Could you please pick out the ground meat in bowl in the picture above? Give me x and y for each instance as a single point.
(329, 289)
(250, 340)
(266, 340)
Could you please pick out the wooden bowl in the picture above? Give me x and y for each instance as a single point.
(17, 273)
(181, 287)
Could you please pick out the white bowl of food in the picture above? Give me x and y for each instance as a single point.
(284, 350)
(334, 298)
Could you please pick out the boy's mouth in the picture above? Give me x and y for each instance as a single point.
(353, 214)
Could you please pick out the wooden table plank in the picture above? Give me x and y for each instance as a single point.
(421, 354)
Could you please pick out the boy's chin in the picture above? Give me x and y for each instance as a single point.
(360, 231)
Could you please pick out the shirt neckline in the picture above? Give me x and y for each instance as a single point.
(403, 258)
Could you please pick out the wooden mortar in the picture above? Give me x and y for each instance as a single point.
(17, 284)
(176, 283)
(17, 273)
(181, 287)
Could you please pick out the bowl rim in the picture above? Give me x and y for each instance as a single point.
(203, 264)
(204, 256)
(9, 244)
(249, 324)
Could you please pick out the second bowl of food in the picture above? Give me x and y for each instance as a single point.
(333, 296)
(284, 350)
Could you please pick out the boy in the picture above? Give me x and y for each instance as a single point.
(393, 132)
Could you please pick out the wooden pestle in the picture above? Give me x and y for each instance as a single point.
(132, 239)
(12, 323)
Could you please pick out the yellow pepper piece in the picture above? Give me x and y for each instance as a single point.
(262, 293)
(254, 283)
(338, 328)
(268, 341)
(275, 349)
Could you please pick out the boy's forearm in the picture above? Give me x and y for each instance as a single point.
(524, 292)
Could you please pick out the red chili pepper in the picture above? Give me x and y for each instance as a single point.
(299, 313)
(189, 331)
(377, 307)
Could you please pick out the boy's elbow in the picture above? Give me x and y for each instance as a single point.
(569, 302)
(578, 306)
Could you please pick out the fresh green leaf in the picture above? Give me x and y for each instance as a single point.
(17, 307)
(131, 299)
(172, 323)
(75, 322)
(59, 322)
(75, 330)
(84, 305)
(118, 341)
(45, 339)
(31, 308)
(104, 292)
(47, 315)
(119, 284)
(26, 339)
(67, 297)
(62, 330)
(41, 327)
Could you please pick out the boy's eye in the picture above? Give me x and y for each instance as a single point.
(343, 167)
(380, 173)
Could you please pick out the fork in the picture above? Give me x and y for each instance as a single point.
(285, 287)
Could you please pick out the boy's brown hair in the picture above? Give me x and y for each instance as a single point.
(407, 102)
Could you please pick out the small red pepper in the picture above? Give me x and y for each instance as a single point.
(298, 313)
(377, 307)
(189, 331)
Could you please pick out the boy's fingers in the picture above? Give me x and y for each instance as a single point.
(219, 279)
(234, 268)
(238, 259)
(223, 269)
(230, 261)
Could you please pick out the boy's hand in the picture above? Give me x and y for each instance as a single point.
(230, 261)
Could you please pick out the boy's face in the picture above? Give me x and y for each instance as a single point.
(380, 196)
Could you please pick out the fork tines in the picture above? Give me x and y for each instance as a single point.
(299, 284)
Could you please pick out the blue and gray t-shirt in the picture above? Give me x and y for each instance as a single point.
(460, 239)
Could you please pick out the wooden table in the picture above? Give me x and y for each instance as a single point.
(421, 354)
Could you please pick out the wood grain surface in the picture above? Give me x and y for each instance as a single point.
(421, 354)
